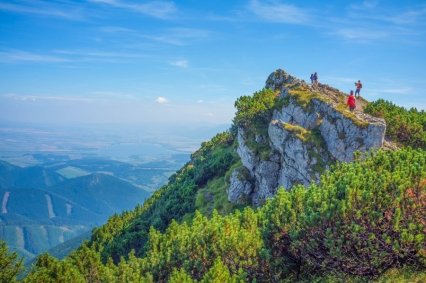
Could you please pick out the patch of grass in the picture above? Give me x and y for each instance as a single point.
(214, 196)
(304, 96)
(300, 132)
(344, 110)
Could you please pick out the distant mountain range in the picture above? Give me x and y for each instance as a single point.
(41, 208)
(12, 176)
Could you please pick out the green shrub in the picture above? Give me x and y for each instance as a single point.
(407, 127)
(256, 109)
(10, 265)
(363, 218)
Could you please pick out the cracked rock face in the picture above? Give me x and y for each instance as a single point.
(263, 174)
(303, 142)
(240, 188)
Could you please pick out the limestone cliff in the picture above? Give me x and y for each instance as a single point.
(312, 130)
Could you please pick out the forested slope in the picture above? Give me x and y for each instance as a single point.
(362, 219)
(174, 201)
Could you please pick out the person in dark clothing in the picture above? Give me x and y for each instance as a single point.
(312, 79)
(315, 78)
(351, 101)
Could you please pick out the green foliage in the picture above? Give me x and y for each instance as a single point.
(255, 109)
(235, 240)
(253, 114)
(213, 196)
(10, 265)
(211, 160)
(407, 127)
(47, 269)
(180, 276)
(176, 200)
(363, 218)
(219, 273)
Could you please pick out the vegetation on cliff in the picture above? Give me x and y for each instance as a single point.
(406, 127)
(253, 115)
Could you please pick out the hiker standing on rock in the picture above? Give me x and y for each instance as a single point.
(351, 101)
(312, 79)
(358, 88)
(315, 78)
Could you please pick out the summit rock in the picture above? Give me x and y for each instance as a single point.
(312, 130)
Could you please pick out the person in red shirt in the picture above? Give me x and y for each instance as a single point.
(351, 101)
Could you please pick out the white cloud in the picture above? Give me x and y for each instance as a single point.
(63, 56)
(401, 90)
(409, 17)
(279, 12)
(16, 56)
(339, 80)
(180, 63)
(161, 100)
(42, 8)
(179, 36)
(34, 98)
(361, 34)
(116, 29)
(371, 11)
(366, 4)
(200, 101)
(87, 55)
(157, 9)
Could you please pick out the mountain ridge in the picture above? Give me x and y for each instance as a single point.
(59, 212)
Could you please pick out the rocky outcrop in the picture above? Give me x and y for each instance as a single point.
(312, 130)
(263, 174)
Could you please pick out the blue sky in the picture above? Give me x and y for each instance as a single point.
(124, 61)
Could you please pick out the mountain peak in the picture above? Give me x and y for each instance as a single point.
(308, 129)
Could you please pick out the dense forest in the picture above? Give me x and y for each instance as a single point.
(363, 221)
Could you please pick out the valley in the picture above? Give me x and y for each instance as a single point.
(56, 185)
